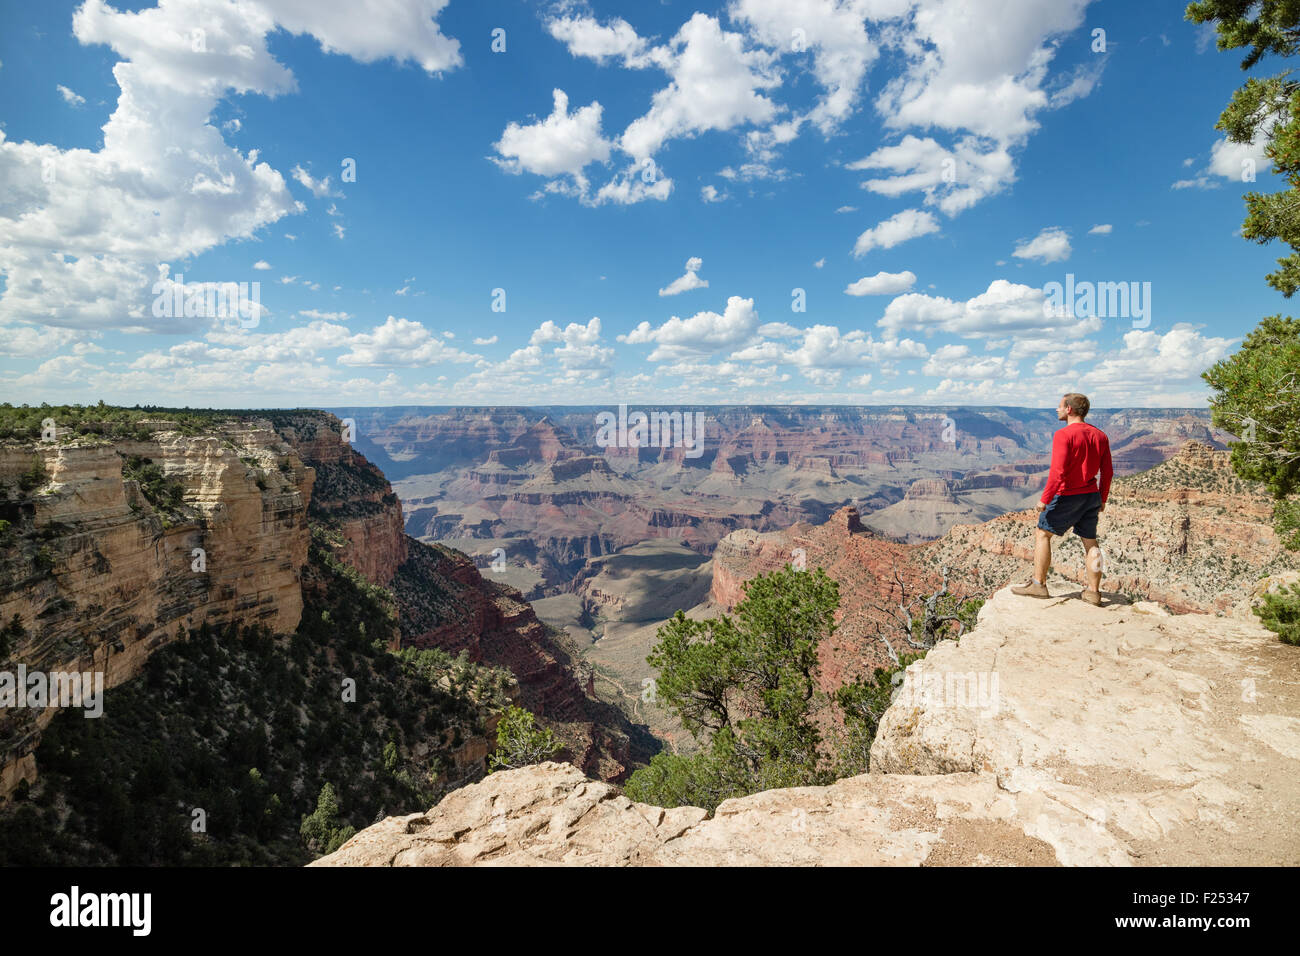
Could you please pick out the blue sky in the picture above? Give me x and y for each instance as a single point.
(920, 169)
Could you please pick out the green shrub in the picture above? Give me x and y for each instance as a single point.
(1280, 612)
(521, 742)
(33, 477)
(324, 830)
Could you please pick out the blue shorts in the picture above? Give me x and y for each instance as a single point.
(1072, 511)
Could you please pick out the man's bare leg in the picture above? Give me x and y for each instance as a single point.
(1042, 555)
(1042, 564)
(1093, 561)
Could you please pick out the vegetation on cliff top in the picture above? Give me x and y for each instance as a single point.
(26, 422)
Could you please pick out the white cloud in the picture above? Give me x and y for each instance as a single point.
(843, 209)
(701, 334)
(836, 35)
(318, 187)
(820, 263)
(716, 83)
(951, 179)
(710, 194)
(325, 316)
(560, 145)
(1050, 245)
(1055, 363)
(980, 75)
(636, 183)
(586, 37)
(753, 172)
(33, 341)
(261, 265)
(689, 280)
(578, 347)
(824, 347)
(1237, 160)
(956, 362)
(1151, 360)
(400, 342)
(882, 283)
(1101, 229)
(971, 67)
(69, 97)
(1005, 307)
(402, 32)
(898, 228)
(488, 341)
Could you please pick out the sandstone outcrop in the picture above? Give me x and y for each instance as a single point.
(1113, 736)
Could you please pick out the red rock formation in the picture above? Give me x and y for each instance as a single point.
(862, 563)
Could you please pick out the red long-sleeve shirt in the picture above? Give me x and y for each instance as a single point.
(1079, 452)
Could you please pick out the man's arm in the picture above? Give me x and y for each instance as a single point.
(1106, 470)
(1055, 474)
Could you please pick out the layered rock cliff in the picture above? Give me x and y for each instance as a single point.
(1055, 733)
(102, 566)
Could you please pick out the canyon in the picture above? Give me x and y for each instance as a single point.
(534, 551)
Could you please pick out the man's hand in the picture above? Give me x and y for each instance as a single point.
(1041, 506)
(1102, 509)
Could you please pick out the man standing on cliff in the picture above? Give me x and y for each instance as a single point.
(1072, 498)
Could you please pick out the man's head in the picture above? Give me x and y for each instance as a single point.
(1073, 404)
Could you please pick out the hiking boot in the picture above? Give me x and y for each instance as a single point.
(1092, 597)
(1032, 589)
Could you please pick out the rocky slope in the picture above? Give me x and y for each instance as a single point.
(1188, 534)
(1113, 736)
